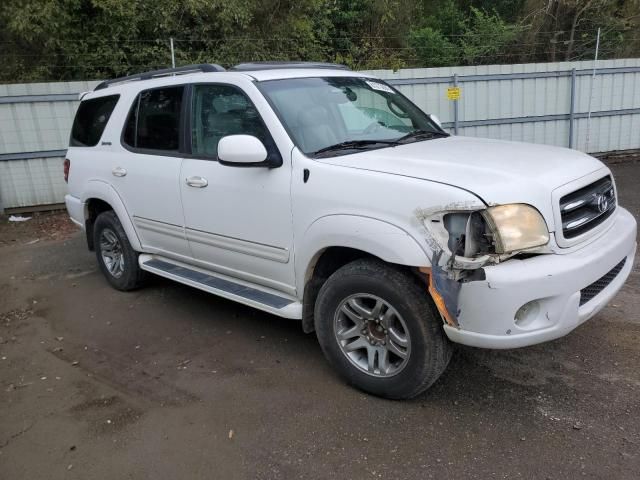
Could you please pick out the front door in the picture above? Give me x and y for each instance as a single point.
(237, 220)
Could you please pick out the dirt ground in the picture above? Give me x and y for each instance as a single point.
(171, 383)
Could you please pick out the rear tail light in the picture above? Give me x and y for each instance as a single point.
(66, 167)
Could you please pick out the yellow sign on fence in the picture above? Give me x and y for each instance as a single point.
(453, 93)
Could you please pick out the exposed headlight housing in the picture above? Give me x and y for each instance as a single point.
(516, 226)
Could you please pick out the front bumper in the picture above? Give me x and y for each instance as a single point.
(487, 308)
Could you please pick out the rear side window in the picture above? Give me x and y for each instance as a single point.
(154, 120)
(91, 118)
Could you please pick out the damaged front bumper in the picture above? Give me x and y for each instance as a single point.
(522, 302)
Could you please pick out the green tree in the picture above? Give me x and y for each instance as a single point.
(69, 39)
(486, 37)
(44, 40)
(433, 48)
(558, 30)
(452, 36)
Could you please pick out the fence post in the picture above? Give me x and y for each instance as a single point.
(593, 79)
(572, 106)
(455, 106)
(173, 54)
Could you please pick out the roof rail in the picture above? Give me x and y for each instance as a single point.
(165, 72)
(250, 66)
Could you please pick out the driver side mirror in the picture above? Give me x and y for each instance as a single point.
(245, 151)
(436, 120)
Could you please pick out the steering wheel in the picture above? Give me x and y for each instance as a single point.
(372, 127)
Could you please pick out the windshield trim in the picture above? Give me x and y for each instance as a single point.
(311, 155)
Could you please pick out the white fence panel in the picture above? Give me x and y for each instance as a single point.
(37, 181)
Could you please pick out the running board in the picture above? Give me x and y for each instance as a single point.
(243, 292)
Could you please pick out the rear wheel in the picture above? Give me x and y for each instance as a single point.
(379, 329)
(116, 258)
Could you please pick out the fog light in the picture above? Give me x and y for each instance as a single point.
(527, 314)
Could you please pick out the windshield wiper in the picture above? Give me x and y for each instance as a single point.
(363, 144)
(354, 144)
(422, 135)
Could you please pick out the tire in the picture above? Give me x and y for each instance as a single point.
(111, 242)
(409, 325)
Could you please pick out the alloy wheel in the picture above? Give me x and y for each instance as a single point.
(111, 252)
(372, 335)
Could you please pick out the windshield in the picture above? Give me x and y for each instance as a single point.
(340, 115)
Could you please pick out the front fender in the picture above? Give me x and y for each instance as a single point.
(103, 191)
(376, 237)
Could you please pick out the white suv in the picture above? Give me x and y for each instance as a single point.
(320, 194)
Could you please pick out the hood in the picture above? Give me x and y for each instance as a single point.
(496, 171)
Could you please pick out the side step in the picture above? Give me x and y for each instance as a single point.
(243, 292)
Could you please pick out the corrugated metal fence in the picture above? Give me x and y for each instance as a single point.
(540, 103)
(35, 121)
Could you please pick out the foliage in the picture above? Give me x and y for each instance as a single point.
(434, 48)
(91, 39)
(486, 37)
(566, 29)
(436, 42)
(450, 37)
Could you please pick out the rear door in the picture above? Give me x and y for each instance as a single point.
(146, 170)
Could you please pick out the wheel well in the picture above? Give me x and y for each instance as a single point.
(95, 207)
(326, 262)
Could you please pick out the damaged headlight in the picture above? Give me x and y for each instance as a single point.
(473, 237)
(465, 239)
(516, 226)
(469, 234)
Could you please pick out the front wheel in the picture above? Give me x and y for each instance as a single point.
(378, 328)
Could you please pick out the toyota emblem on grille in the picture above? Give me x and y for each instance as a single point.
(602, 200)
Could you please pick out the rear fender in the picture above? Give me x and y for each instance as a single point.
(103, 191)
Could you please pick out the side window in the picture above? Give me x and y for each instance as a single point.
(154, 120)
(221, 110)
(91, 119)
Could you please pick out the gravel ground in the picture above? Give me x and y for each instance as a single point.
(39, 227)
(169, 382)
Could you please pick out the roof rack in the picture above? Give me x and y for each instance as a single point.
(165, 72)
(250, 66)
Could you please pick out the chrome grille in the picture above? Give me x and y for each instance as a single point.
(588, 207)
(587, 293)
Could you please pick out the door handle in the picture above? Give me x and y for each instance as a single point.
(119, 172)
(197, 182)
